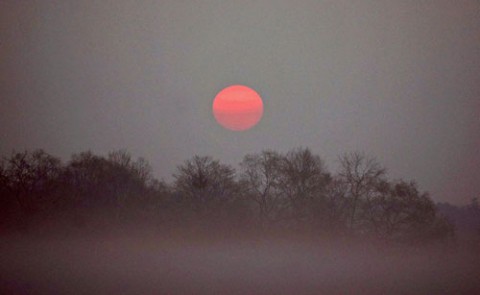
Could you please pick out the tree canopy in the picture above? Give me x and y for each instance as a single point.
(292, 190)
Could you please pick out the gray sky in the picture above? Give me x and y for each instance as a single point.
(399, 80)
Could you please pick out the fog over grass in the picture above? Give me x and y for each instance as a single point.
(141, 261)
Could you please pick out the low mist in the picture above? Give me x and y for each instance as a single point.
(192, 261)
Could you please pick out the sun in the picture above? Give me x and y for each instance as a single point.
(237, 107)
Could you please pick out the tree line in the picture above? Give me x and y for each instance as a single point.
(270, 190)
(466, 219)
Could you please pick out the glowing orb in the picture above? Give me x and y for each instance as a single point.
(237, 107)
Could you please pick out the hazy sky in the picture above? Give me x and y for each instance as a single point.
(399, 80)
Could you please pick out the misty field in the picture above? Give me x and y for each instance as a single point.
(150, 262)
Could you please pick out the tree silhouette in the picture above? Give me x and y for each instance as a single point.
(398, 211)
(304, 181)
(205, 186)
(361, 176)
(28, 180)
(261, 176)
(115, 186)
(273, 190)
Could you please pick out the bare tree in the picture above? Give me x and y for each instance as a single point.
(28, 180)
(398, 211)
(261, 176)
(115, 186)
(303, 181)
(205, 185)
(360, 174)
(139, 169)
(337, 205)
